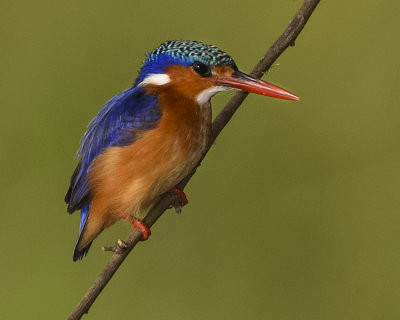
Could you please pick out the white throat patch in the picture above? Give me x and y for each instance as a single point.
(157, 79)
(205, 96)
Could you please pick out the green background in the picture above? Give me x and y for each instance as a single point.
(294, 214)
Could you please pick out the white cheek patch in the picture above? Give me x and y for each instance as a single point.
(157, 79)
(205, 96)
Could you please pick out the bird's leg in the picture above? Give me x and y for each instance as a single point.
(182, 197)
(138, 224)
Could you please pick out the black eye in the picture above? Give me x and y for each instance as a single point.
(201, 69)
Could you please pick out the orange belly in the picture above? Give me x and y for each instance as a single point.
(130, 179)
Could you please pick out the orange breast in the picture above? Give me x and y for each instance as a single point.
(129, 179)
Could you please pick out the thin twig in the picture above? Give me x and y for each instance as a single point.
(287, 39)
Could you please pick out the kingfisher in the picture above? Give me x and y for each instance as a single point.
(146, 139)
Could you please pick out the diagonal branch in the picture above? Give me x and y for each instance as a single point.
(287, 39)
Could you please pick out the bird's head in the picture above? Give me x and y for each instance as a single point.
(198, 71)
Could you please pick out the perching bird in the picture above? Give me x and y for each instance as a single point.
(149, 137)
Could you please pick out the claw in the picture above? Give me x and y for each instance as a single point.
(182, 197)
(144, 229)
(138, 224)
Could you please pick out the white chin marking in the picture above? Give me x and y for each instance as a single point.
(157, 79)
(205, 96)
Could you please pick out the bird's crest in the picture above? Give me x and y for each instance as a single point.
(191, 51)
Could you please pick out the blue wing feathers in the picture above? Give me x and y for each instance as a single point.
(114, 125)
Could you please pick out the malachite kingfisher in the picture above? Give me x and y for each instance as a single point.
(149, 137)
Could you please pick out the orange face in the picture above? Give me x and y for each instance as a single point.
(201, 84)
(187, 82)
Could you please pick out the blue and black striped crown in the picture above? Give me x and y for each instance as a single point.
(193, 51)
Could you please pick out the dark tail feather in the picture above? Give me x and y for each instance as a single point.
(79, 254)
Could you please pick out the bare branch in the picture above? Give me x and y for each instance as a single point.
(123, 248)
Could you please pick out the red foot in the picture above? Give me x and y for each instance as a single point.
(144, 229)
(138, 224)
(180, 194)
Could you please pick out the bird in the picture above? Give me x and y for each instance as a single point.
(147, 138)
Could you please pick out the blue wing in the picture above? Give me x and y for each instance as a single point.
(114, 125)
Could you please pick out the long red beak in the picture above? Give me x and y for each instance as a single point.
(242, 81)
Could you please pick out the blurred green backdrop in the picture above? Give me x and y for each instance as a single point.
(294, 214)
